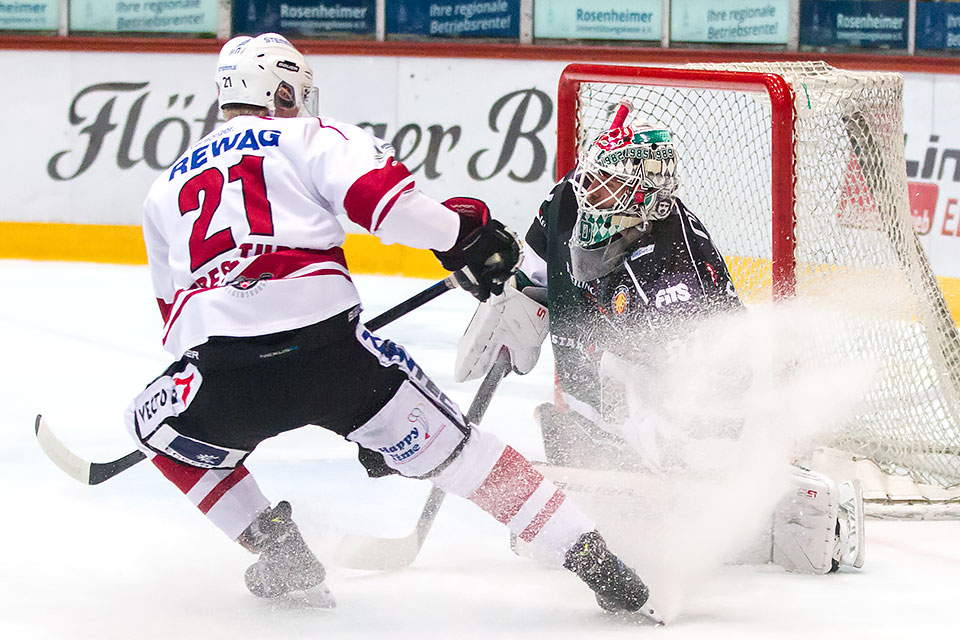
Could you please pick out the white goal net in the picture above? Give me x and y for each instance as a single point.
(798, 171)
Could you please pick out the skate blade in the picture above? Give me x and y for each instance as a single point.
(651, 614)
(648, 614)
(318, 597)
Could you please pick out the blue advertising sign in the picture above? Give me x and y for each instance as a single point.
(868, 24)
(470, 19)
(938, 25)
(294, 18)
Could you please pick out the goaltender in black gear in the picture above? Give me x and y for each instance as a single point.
(624, 268)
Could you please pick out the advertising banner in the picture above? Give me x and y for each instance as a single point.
(124, 117)
(744, 21)
(166, 16)
(609, 20)
(938, 25)
(871, 24)
(439, 18)
(295, 18)
(933, 166)
(39, 15)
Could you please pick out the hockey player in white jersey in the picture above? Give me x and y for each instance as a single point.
(623, 265)
(261, 315)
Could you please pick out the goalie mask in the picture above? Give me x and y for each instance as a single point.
(265, 71)
(625, 177)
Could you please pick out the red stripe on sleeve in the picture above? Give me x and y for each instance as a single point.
(182, 475)
(541, 518)
(510, 484)
(369, 190)
(222, 487)
(389, 205)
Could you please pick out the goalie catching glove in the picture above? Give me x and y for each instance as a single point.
(486, 253)
(513, 321)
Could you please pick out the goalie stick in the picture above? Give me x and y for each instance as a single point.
(387, 554)
(96, 472)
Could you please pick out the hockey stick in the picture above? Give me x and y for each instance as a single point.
(96, 472)
(75, 466)
(387, 554)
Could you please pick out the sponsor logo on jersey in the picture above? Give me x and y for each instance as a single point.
(391, 353)
(166, 397)
(156, 404)
(643, 251)
(243, 287)
(204, 454)
(671, 295)
(415, 442)
(621, 299)
(242, 140)
(184, 386)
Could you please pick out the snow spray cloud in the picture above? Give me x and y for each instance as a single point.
(715, 421)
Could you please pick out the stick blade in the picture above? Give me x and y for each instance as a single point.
(377, 554)
(70, 463)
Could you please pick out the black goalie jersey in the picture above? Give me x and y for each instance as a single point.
(673, 271)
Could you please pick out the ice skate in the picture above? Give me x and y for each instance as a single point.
(617, 586)
(286, 566)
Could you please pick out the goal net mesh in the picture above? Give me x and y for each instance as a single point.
(853, 227)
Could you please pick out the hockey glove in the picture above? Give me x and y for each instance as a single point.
(486, 253)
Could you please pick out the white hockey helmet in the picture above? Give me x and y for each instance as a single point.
(626, 176)
(265, 71)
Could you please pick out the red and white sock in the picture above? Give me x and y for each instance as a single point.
(503, 483)
(230, 498)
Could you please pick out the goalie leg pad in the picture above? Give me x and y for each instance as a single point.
(805, 524)
(851, 541)
(818, 525)
(415, 436)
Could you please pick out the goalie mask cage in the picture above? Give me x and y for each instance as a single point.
(798, 171)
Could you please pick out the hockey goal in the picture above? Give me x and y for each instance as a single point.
(798, 171)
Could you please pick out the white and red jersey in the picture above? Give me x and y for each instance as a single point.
(242, 232)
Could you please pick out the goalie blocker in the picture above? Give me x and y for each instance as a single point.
(515, 320)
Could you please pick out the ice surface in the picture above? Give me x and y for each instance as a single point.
(133, 559)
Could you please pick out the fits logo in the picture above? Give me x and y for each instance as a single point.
(671, 295)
